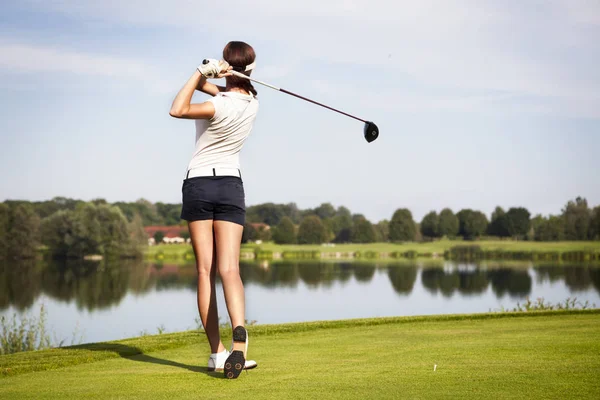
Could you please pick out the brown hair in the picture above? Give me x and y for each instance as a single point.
(239, 55)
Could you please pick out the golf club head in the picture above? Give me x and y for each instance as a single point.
(371, 131)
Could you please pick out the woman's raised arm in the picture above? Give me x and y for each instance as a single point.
(181, 107)
(209, 88)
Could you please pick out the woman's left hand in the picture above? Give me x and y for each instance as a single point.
(213, 69)
(224, 69)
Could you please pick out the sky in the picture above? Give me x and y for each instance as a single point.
(479, 102)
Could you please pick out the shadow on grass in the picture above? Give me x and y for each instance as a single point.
(135, 354)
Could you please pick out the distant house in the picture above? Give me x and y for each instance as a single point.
(260, 226)
(263, 231)
(172, 234)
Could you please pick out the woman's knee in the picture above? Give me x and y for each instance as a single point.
(204, 268)
(229, 271)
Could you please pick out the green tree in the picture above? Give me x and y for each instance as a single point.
(170, 214)
(271, 214)
(146, 209)
(325, 210)
(46, 208)
(158, 237)
(418, 235)
(448, 224)
(402, 226)
(98, 201)
(518, 219)
(58, 233)
(357, 217)
(89, 229)
(478, 224)
(551, 229)
(23, 231)
(577, 219)
(114, 233)
(138, 239)
(329, 224)
(250, 233)
(342, 226)
(499, 223)
(285, 231)
(311, 230)
(363, 232)
(472, 224)
(595, 224)
(343, 212)
(463, 216)
(4, 220)
(430, 225)
(382, 231)
(535, 224)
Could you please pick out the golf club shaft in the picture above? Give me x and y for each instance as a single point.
(238, 74)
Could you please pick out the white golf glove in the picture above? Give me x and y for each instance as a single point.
(212, 68)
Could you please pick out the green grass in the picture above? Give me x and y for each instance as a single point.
(177, 251)
(498, 355)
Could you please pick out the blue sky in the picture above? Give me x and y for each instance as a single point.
(479, 103)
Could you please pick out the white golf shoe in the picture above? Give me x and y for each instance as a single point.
(216, 362)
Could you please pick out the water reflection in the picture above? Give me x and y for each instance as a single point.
(91, 285)
(403, 278)
(510, 281)
(576, 277)
(100, 285)
(20, 284)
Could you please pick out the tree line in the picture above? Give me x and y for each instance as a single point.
(577, 221)
(69, 229)
(73, 228)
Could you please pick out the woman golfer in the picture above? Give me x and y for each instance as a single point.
(213, 194)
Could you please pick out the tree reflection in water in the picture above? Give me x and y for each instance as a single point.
(99, 285)
(475, 281)
(20, 283)
(402, 277)
(514, 282)
(364, 272)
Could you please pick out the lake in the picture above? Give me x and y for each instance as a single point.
(92, 301)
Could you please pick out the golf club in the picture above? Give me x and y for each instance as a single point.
(371, 132)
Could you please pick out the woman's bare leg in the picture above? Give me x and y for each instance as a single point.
(202, 236)
(228, 237)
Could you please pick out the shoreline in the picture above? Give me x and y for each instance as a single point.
(439, 250)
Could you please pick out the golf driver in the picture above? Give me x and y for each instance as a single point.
(371, 132)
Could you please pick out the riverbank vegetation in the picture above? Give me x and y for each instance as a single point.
(73, 230)
(440, 249)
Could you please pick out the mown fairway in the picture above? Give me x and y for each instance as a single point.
(539, 355)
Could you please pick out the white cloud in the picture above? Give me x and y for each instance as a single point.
(27, 58)
(538, 50)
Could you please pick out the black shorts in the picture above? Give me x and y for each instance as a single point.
(220, 198)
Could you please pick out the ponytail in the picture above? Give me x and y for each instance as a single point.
(239, 55)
